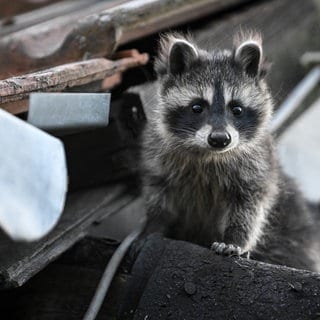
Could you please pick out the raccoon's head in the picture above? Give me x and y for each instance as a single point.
(212, 101)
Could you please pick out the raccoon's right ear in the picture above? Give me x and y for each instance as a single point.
(181, 55)
(176, 55)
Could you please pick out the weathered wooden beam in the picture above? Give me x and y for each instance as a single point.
(96, 31)
(35, 15)
(9, 8)
(60, 40)
(65, 287)
(59, 78)
(139, 18)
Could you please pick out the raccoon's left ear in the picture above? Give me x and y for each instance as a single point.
(249, 55)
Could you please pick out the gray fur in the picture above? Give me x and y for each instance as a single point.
(237, 196)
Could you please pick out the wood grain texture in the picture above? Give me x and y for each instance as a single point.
(49, 10)
(64, 289)
(9, 8)
(61, 78)
(96, 31)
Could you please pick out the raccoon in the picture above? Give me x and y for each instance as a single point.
(212, 176)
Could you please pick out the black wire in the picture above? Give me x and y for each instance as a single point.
(109, 273)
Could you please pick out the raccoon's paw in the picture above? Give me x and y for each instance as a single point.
(226, 249)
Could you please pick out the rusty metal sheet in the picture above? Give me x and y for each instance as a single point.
(14, 91)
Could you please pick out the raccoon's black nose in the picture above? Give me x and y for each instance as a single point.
(219, 139)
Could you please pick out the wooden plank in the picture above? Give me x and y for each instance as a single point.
(20, 261)
(63, 39)
(9, 8)
(62, 77)
(84, 33)
(139, 18)
(37, 15)
(64, 289)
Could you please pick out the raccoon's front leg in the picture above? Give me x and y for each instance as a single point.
(226, 249)
(243, 230)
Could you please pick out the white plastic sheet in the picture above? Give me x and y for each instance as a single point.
(33, 179)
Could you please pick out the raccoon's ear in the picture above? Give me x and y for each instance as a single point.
(176, 53)
(249, 55)
(181, 55)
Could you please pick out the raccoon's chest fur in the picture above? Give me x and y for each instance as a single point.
(196, 198)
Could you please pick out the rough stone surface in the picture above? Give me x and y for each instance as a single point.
(191, 282)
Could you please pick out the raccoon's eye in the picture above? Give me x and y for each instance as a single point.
(196, 108)
(237, 110)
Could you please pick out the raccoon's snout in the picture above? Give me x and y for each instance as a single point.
(219, 140)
